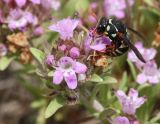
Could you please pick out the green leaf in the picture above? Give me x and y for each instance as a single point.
(149, 2)
(38, 54)
(53, 106)
(123, 81)
(109, 80)
(132, 68)
(50, 73)
(96, 78)
(68, 9)
(5, 61)
(82, 5)
(107, 113)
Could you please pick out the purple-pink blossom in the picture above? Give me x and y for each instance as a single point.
(100, 44)
(87, 43)
(50, 61)
(38, 31)
(97, 44)
(124, 120)
(121, 120)
(65, 27)
(36, 1)
(116, 8)
(74, 52)
(20, 3)
(147, 53)
(66, 69)
(19, 19)
(150, 73)
(62, 47)
(130, 102)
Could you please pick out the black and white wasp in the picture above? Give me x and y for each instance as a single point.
(118, 35)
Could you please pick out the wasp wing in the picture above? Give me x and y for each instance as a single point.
(137, 33)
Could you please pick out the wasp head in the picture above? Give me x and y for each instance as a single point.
(101, 26)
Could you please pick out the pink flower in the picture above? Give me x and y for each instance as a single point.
(87, 43)
(38, 31)
(147, 53)
(131, 102)
(65, 27)
(20, 3)
(149, 73)
(116, 8)
(100, 44)
(62, 47)
(121, 120)
(50, 60)
(124, 120)
(67, 69)
(55, 4)
(74, 52)
(51, 4)
(19, 19)
(36, 1)
(97, 44)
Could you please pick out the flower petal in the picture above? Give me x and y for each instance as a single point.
(133, 93)
(141, 78)
(121, 120)
(57, 77)
(79, 67)
(153, 79)
(35, 1)
(71, 79)
(20, 3)
(121, 96)
(129, 107)
(65, 27)
(98, 47)
(139, 102)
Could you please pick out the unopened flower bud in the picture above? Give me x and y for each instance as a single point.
(38, 31)
(62, 48)
(74, 52)
(50, 60)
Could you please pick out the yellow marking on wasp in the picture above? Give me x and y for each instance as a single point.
(106, 33)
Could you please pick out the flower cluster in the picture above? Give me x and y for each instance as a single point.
(149, 71)
(67, 66)
(21, 20)
(129, 104)
(21, 13)
(65, 27)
